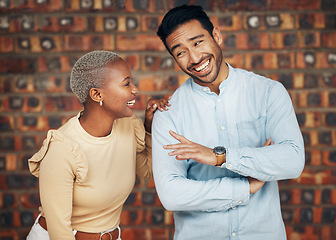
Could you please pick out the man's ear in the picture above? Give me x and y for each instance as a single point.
(95, 95)
(217, 35)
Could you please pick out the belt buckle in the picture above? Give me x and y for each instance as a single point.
(102, 234)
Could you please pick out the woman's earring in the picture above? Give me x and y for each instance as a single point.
(100, 103)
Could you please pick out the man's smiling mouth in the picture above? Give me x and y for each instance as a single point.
(203, 66)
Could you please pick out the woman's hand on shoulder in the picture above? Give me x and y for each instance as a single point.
(153, 105)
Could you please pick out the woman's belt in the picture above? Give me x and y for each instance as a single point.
(87, 236)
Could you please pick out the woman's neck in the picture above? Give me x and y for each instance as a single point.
(95, 122)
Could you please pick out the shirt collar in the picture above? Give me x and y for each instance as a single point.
(224, 83)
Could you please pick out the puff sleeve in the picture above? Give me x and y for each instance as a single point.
(143, 149)
(58, 164)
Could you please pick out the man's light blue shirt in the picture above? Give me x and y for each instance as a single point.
(214, 202)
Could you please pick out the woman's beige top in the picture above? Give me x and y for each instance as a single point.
(85, 180)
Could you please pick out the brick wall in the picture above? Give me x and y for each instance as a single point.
(292, 41)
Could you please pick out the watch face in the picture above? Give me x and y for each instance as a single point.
(220, 150)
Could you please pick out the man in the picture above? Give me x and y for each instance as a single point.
(211, 166)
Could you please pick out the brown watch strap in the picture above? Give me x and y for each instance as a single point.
(220, 159)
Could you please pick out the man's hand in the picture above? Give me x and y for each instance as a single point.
(187, 149)
(152, 106)
(255, 184)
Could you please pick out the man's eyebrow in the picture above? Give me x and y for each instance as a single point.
(190, 39)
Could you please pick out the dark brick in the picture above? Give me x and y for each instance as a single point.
(331, 118)
(307, 196)
(290, 40)
(306, 21)
(15, 103)
(30, 181)
(28, 143)
(287, 215)
(284, 60)
(6, 219)
(157, 216)
(30, 121)
(332, 99)
(27, 219)
(308, 157)
(310, 81)
(285, 196)
(328, 215)
(148, 198)
(330, 21)
(314, 99)
(2, 163)
(8, 200)
(55, 122)
(286, 80)
(332, 156)
(325, 138)
(131, 199)
(141, 4)
(33, 102)
(230, 41)
(306, 138)
(326, 196)
(257, 61)
(328, 4)
(5, 124)
(301, 117)
(21, 83)
(306, 215)
(14, 181)
(7, 143)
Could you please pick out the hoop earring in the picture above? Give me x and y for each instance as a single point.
(100, 103)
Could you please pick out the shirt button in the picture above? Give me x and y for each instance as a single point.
(218, 100)
(240, 202)
(222, 127)
(233, 234)
(205, 89)
(229, 165)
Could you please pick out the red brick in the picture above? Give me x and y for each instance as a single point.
(131, 217)
(88, 42)
(17, 65)
(139, 43)
(29, 200)
(328, 232)
(329, 40)
(6, 44)
(54, 64)
(63, 24)
(33, 6)
(228, 23)
(150, 23)
(63, 103)
(294, 5)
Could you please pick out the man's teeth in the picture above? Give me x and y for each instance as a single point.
(131, 102)
(204, 65)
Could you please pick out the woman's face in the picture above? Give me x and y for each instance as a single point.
(118, 92)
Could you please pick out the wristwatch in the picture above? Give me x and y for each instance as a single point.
(220, 152)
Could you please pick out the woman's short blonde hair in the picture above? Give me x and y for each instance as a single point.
(88, 72)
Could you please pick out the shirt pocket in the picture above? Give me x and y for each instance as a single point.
(252, 133)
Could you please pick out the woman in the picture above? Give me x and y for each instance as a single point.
(87, 167)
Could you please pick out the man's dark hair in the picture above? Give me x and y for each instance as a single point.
(181, 15)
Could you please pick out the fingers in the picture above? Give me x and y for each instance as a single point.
(268, 142)
(160, 104)
(179, 137)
